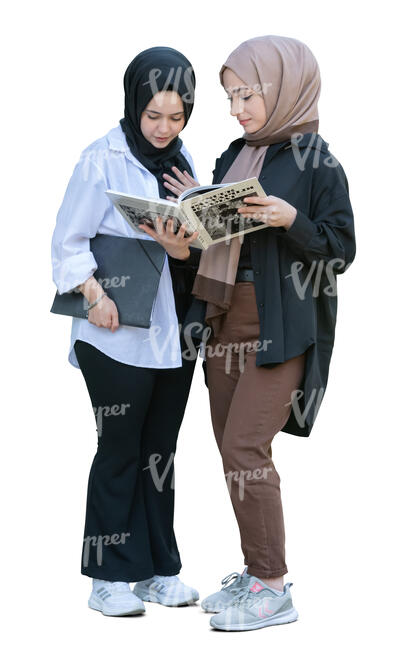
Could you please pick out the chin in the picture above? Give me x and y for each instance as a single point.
(162, 145)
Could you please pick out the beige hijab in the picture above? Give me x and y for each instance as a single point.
(286, 74)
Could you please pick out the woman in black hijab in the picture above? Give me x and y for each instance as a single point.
(138, 392)
(158, 69)
(155, 70)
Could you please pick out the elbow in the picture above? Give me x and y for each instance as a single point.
(73, 271)
(348, 256)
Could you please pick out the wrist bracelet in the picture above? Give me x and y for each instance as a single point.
(96, 301)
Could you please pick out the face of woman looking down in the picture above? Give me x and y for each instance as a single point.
(245, 104)
(163, 118)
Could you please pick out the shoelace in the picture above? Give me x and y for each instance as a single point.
(236, 577)
(242, 598)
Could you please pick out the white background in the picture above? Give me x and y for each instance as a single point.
(343, 496)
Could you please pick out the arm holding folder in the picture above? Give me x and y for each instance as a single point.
(87, 264)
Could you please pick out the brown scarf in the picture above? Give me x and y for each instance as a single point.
(291, 108)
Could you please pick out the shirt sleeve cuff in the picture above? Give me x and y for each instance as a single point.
(177, 262)
(301, 231)
(74, 271)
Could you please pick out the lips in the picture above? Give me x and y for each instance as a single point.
(243, 122)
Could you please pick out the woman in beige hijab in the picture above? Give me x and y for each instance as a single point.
(270, 301)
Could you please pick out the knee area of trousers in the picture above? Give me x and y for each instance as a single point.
(244, 456)
(158, 462)
(244, 468)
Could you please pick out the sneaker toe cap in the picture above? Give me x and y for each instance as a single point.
(195, 594)
(214, 603)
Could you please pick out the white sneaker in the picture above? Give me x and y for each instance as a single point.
(166, 590)
(114, 599)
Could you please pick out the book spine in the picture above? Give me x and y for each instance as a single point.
(193, 224)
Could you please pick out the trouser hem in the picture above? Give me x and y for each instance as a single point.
(137, 576)
(260, 573)
(170, 571)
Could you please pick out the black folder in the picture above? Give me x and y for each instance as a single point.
(129, 270)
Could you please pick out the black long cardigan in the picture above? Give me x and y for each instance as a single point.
(295, 270)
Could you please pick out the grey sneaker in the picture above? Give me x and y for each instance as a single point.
(234, 584)
(258, 606)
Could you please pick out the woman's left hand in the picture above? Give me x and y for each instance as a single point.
(179, 184)
(176, 245)
(270, 210)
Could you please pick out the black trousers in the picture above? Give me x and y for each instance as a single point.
(129, 532)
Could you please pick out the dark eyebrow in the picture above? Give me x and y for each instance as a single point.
(157, 112)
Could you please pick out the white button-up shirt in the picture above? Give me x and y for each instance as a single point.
(86, 210)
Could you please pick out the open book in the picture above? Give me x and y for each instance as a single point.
(209, 209)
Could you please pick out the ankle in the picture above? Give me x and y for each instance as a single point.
(274, 583)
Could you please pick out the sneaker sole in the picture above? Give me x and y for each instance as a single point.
(289, 616)
(93, 604)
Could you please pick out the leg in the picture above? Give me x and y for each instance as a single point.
(158, 448)
(259, 409)
(116, 543)
(221, 386)
(241, 323)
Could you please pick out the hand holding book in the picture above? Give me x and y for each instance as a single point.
(175, 244)
(270, 210)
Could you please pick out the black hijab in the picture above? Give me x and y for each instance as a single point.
(154, 70)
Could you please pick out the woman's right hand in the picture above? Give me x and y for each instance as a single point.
(179, 184)
(105, 313)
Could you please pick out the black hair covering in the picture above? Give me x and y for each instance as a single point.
(154, 70)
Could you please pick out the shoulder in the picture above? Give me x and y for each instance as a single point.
(224, 161)
(103, 143)
(329, 174)
(233, 148)
(99, 154)
(313, 156)
(185, 151)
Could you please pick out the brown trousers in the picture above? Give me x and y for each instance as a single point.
(249, 405)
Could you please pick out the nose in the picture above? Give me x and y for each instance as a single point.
(163, 128)
(236, 106)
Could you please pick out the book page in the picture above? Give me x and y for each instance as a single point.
(139, 210)
(217, 210)
(199, 189)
